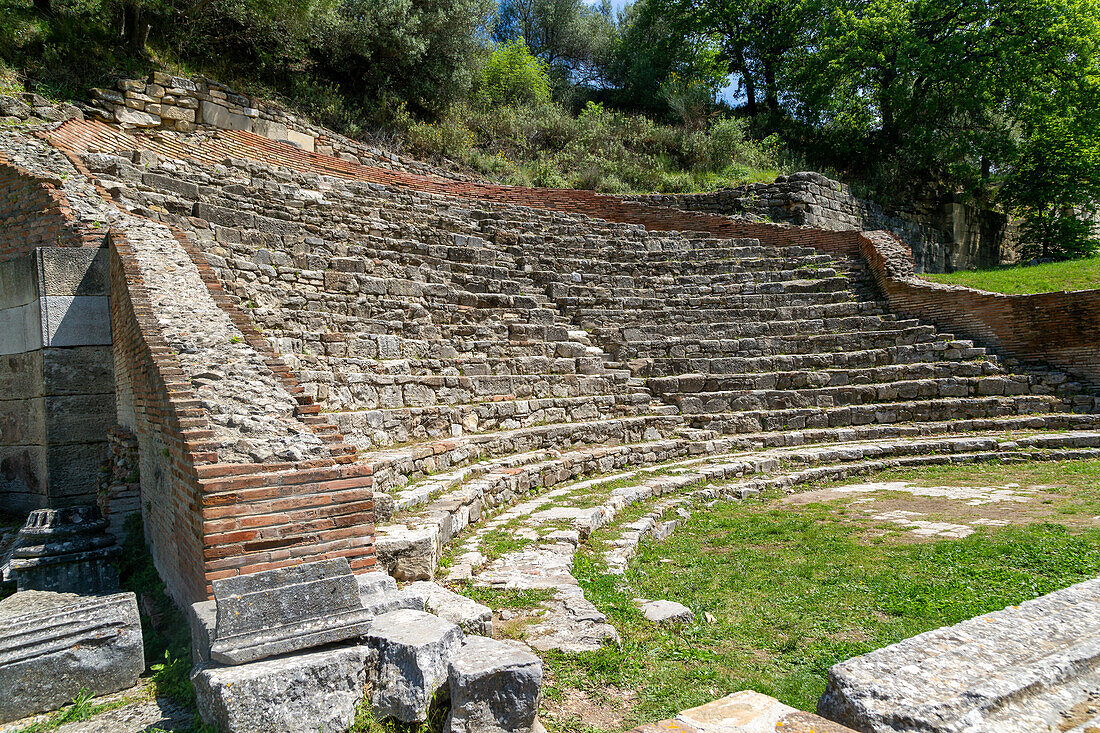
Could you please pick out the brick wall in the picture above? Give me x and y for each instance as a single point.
(1059, 329)
(35, 213)
(205, 519)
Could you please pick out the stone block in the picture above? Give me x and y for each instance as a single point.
(299, 693)
(473, 617)
(374, 584)
(1026, 668)
(53, 645)
(285, 610)
(80, 320)
(177, 113)
(413, 649)
(495, 686)
(408, 554)
(128, 117)
(667, 612)
(73, 271)
(392, 601)
(744, 712)
(269, 129)
(301, 140)
(202, 619)
(217, 115)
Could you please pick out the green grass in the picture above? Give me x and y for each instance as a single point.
(1048, 278)
(793, 592)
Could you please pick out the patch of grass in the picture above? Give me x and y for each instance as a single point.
(1077, 483)
(1081, 274)
(499, 542)
(513, 598)
(793, 592)
(366, 722)
(81, 708)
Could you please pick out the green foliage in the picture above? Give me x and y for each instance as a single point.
(165, 631)
(512, 75)
(1046, 278)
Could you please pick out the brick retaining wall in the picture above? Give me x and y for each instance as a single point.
(1060, 329)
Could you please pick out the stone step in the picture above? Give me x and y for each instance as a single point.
(369, 428)
(707, 383)
(744, 329)
(967, 408)
(792, 344)
(1017, 670)
(885, 394)
(932, 351)
(603, 317)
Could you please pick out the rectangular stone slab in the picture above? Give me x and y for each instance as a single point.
(53, 645)
(285, 610)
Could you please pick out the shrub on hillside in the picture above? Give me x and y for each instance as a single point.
(512, 75)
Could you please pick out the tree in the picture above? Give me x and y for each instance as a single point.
(573, 39)
(511, 75)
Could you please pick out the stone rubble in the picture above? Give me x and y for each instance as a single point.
(495, 687)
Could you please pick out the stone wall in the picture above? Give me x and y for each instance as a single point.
(56, 391)
(942, 237)
(1061, 329)
(184, 104)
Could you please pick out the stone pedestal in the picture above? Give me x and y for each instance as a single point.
(66, 551)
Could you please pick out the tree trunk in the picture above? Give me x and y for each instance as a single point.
(771, 89)
(750, 83)
(135, 31)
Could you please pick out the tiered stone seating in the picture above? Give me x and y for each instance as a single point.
(745, 338)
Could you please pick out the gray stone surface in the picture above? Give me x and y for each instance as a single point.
(413, 650)
(218, 116)
(1032, 667)
(299, 693)
(285, 610)
(375, 583)
(397, 600)
(53, 645)
(667, 612)
(473, 617)
(202, 618)
(495, 686)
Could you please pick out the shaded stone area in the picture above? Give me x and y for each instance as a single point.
(1031, 667)
(66, 551)
(54, 645)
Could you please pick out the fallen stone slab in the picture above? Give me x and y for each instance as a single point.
(495, 686)
(297, 693)
(413, 649)
(285, 610)
(1026, 668)
(473, 617)
(744, 712)
(202, 618)
(375, 583)
(666, 612)
(391, 601)
(53, 645)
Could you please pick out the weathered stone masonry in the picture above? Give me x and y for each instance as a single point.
(56, 395)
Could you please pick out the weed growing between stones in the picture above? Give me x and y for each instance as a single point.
(780, 595)
(366, 721)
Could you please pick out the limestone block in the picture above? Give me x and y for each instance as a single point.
(135, 118)
(80, 320)
(301, 139)
(1025, 668)
(744, 712)
(299, 693)
(202, 618)
(217, 115)
(65, 550)
(269, 129)
(177, 113)
(53, 645)
(495, 687)
(667, 612)
(408, 554)
(413, 649)
(374, 584)
(473, 617)
(286, 609)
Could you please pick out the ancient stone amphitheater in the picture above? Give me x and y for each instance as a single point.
(310, 350)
